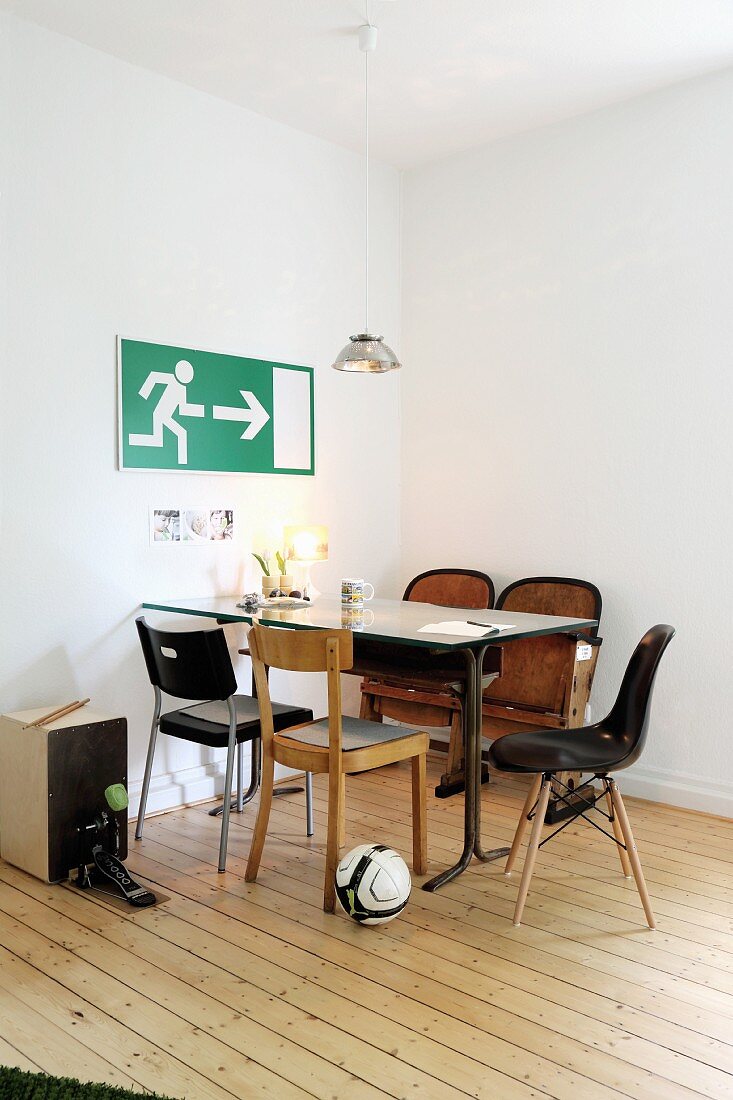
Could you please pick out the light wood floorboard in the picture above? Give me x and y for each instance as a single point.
(235, 989)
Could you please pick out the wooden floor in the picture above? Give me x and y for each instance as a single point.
(235, 990)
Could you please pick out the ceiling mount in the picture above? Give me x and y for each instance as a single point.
(368, 38)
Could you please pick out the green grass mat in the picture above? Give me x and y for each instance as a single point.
(17, 1085)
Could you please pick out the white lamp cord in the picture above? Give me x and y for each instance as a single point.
(366, 179)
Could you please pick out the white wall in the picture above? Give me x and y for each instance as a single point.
(567, 335)
(134, 205)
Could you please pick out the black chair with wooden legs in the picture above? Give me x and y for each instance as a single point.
(196, 665)
(603, 748)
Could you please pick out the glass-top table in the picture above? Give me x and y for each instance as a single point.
(398, 622)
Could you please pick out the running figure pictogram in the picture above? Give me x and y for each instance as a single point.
(172, 400)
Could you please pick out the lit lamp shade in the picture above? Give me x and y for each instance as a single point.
(367, 354)
(306, 543)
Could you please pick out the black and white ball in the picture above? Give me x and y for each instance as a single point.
(373, 884)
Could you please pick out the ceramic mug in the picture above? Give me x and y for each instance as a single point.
(352, 592)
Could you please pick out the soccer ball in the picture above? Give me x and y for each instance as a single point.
(373, 884)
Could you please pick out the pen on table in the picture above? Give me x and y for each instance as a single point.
(489, 629)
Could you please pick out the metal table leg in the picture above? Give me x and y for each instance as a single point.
(473, 721)
(494, 853)
(469, 816)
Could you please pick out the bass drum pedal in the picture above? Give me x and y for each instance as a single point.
(107, 867)
(113, 869)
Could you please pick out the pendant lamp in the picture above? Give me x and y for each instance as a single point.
(366, 353)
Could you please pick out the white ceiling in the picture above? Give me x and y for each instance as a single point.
(447, 74)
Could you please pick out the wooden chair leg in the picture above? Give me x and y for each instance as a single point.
(263, 815)
(632, 854)
(419, 815)
(335, 791)
(342, 812)
(455, 745)
(622, 853)
(367, 711)
(529, 802)
(534, 843)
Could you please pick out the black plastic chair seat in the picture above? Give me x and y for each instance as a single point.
(588, 749)
(208, 723)
(614, 743)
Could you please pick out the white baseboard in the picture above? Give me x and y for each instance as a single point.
(687, 792)
(171, 790)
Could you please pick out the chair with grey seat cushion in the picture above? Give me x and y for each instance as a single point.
(336, 746)
(356, 733)
(197, 665)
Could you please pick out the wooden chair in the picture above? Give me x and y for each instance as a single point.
(545, 681)
(424, 688)
(337, 745)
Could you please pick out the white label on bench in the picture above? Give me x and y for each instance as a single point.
(583, 652)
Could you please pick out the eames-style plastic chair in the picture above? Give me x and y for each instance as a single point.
(603, 748)
(197, 665)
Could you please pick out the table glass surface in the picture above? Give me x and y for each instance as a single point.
(397, 621)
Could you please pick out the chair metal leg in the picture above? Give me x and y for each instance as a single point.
(534, 843)
(633, 855)
(254, 780)
(309, 830)
(240, 777)
(529, 802)
(255, 766)
(148, 765)
(231, 749)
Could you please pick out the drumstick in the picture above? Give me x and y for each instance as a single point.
(60, 712)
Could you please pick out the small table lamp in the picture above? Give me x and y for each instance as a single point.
(306, 545)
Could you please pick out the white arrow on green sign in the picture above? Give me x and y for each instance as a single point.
(184, 410)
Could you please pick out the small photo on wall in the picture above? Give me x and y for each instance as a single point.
(221, 524)
(165, 525)
(191, 526)
(195, 526)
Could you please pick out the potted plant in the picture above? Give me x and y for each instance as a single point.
(286, 579)
(269, 583)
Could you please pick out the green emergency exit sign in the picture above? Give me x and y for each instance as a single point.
(186, 410)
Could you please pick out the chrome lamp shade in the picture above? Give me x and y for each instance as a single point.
(368, 354)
